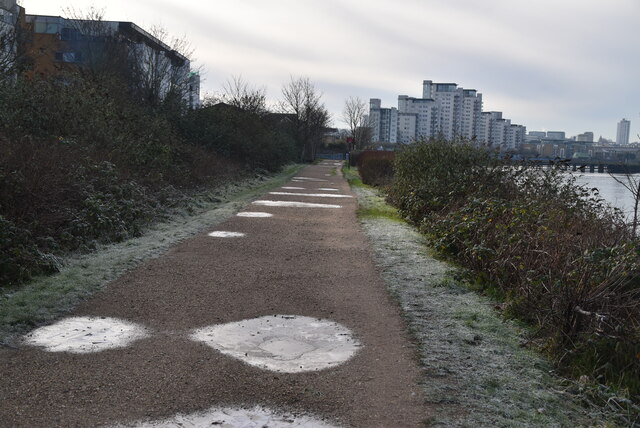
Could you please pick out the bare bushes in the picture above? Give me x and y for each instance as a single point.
(553, 251)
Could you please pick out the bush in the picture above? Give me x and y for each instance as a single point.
(561, 259)
(81, 163)
(20, 258)
(376, 167)
(243, 136)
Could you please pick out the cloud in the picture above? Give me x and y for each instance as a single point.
(571, 62)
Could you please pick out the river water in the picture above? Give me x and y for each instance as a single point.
(610, 190)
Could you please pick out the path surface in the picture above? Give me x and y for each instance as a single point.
(304, 262)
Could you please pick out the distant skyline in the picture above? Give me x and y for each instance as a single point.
(569, 65)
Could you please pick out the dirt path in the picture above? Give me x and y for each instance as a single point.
(303, 262)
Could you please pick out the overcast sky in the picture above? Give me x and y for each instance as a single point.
(568, 65)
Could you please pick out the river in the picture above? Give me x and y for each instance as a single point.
(610, 190)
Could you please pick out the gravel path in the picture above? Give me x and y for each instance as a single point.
(308, 268)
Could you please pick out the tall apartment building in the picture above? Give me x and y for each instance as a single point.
(624, 128)
(470, 113)
(444, 110)
(384, 122)
(417, 118)
(515, 136)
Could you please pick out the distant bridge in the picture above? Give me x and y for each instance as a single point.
(590, 165)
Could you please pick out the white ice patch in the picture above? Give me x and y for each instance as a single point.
(229, 417)
(293, 188)
(254, 214)
(292, 204)
(82, 335)
(282, 343)
(308, 179)
(224, 234)
(329, 189)
(316, 195)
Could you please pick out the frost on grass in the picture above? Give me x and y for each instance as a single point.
(292, 204)
(475, 372)
(230, 417)
(83, 335)
(226, 234)
(282, 343)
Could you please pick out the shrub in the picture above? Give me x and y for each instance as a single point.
(376, 167)
(556, 253)
(82, 163)
(20, 258)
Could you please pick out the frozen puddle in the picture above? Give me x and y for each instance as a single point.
(316, 195)
(292, 204)
(307, 179)
(224, 234)
(82, 335)
(254, 214)
(229, 417)
(282, 343)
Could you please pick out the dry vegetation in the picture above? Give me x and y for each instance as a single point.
(553, 253)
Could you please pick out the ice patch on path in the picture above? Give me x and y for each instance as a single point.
(292, 204)
(254, 214)
(229, 417)
(307, 179)
(282, 343)
(82, 335)
(224, 234)
(315, 195)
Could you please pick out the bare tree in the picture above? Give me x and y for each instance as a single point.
(11, 41)
(155, 65)
(238, 93)
(304, 103)
(631, 182)
(162, 71)
(354, 114)
(99, 48)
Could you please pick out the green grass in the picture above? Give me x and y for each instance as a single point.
(374, 205)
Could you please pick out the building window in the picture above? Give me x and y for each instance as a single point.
(47, 27)
(72, 57)
(70, 34)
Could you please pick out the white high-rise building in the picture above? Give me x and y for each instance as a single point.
(470, 113)
(449, 100)
(417, 118)
(515, 136)
(444, 110)
(624, 128)
(384, 122)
